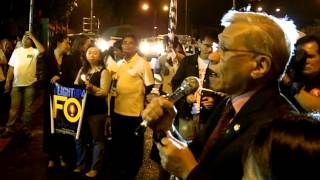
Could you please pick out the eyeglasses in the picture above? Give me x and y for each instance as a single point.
(207, 45)
(222, 50)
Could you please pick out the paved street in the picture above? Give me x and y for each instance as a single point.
(24, 159)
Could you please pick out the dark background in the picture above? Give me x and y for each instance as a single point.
(14, 14)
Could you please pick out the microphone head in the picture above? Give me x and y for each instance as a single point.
(190, 84)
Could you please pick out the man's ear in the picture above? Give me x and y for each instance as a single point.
(263, 66)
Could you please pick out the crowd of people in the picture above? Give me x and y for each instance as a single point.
(250, 114)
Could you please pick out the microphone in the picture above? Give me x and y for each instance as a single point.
(189, 85)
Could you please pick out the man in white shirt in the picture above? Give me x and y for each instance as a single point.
(20, 80)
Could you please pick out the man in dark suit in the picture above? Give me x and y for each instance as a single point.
(253, 50)
(194, 108)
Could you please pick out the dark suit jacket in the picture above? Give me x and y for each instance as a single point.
(224, 160)
(189, 67)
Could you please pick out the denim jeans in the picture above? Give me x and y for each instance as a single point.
(21, 95)
(96, 125)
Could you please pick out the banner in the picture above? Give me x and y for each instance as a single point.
(172, 21)
(66, 108)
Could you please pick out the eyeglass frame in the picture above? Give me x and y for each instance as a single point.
(224, 49)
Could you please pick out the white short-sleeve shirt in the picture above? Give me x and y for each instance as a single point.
(24, 63)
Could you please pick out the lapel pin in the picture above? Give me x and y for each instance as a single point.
(236, 127)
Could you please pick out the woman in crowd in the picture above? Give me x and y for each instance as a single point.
(113, 56)
(7, 47)
(3, 64)
(77, 57)
(97, 81)
(287, 148)
(58, 146)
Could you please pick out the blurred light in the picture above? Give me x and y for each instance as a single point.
(83, 77)
(165, 8)
(259, 9)
(214, 47)
(248, 8)
(278, 10)
(144, 47)
(145, 6)
(103, 44)
(155, 27)
(214, 56)
(151, 47)
(158, 47)
(314, 115)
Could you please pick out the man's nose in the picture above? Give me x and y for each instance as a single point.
(308, 60)
(215, 57)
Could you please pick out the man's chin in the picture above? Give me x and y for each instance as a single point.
(217, 89)
(308, 72)
(214, 84)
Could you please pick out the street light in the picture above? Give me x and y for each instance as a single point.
(155, 12)
(165, 8)
(145, 6)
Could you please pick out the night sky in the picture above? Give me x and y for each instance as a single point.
(201, 13)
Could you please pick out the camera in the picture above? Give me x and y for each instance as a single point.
(296, 65)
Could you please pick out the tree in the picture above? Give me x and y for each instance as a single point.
(59, 11)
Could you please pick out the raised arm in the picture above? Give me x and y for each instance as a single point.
(36, 42)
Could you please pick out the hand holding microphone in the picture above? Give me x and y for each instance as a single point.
(160, 113)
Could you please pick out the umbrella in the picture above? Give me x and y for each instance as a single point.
(123, 30)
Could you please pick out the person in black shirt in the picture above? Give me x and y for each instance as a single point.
(97, 82)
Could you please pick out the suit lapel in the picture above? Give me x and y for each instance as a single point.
(242, 119)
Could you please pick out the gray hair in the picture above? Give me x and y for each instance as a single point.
(273, 36)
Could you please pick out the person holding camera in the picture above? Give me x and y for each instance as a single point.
(194, 108)
(301, 84)
(21, 78)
